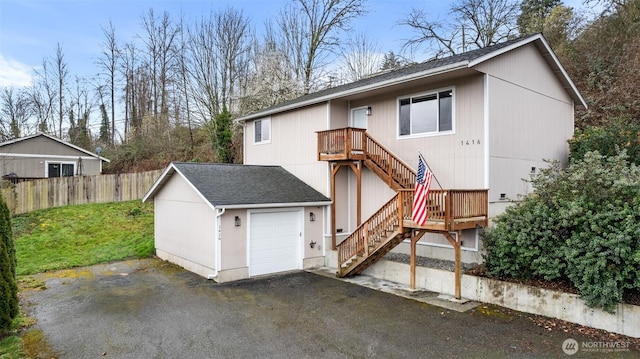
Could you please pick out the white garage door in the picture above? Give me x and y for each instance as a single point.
(274, 244)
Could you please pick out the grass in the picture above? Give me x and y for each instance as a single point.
(72, 236)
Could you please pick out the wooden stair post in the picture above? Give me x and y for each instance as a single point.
(414, 241)
(457, 271)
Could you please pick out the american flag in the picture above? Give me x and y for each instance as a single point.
(423, 182)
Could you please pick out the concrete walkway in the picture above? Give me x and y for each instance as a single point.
(423, 296)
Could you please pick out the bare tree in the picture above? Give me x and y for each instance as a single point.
(15, 114)
(361, 57)
(220, 46)
(108, 64)
(61, 72)
(309, 32)
(232, 45)
(477, 24)
(160, 41)
(271, 77)
(79, 105)
(42, 98)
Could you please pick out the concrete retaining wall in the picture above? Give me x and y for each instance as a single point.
(523, 298)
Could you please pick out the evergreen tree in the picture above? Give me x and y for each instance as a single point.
(105, 131)
(223, 136)
(8, 287)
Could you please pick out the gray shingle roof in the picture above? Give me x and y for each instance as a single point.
(225, 185)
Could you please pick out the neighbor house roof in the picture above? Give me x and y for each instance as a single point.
(426, 69)
(41, 134)
(242, 186)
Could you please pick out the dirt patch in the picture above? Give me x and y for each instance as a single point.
(34, 345)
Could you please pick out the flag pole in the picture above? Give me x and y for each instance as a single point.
(427, 164)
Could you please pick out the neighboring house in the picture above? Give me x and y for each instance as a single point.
(484, 120)
(228, 222)
(44, 156)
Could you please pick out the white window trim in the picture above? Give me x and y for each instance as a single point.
(254, 131)
(427, 134)
(46, 167)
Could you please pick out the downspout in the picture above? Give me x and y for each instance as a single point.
(219, 213)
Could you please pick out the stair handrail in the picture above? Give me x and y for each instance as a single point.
(407, 181)
(387, 218)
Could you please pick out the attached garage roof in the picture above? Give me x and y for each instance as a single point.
(242, 186)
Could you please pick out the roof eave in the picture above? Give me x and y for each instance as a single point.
(273, 205)
(374, 86)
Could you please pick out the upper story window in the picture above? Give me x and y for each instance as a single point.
(426, 113)
(262, 131)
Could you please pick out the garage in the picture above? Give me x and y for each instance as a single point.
(274, 241)
(218, 221)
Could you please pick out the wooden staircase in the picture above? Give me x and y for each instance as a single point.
(383, 231)
(449, 210)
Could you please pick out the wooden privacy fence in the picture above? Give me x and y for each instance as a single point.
(44, 193)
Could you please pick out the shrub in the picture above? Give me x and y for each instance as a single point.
(8, 288)
(581, 224)
(620, 134)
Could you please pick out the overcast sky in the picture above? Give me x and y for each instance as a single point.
(31, 29)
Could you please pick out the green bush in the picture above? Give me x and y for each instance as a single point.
(620, 134)
(582, 224)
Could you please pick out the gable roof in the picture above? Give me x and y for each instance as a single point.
(242, 186)
(430, 68)
(41, 134)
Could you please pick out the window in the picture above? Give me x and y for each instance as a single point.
(60, 169)
(426, 113)
(262, 130)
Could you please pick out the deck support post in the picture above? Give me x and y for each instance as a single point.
(334, 171)
(456, 243)
(414, 240)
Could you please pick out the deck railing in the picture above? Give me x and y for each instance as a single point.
(449, 205)
(445, 207)
(364, 238)
(354, 143)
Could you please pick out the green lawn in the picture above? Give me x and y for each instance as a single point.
(81, 235)
(74, 236)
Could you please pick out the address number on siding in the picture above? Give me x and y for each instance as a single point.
(469, 142)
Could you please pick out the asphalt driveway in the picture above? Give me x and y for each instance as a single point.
(152, 309)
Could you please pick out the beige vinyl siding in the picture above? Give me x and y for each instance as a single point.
(339, 112)
(313, 232)
(456, 165)
(343, 203)
(523, 135)
(233, 242)
(525, 67)
(293, 145)
(530, 120)
(184, 223)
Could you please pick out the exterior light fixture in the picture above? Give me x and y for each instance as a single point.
(369, 111)
(312, 217)
(237, 220)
